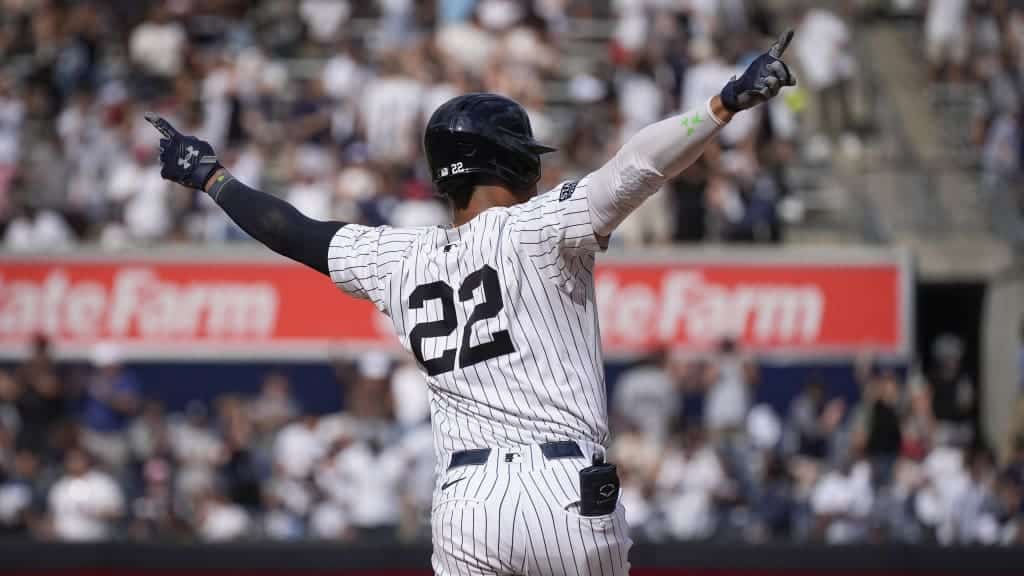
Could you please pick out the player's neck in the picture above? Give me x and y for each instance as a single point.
(484, 198)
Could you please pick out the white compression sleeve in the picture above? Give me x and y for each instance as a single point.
(652, 156)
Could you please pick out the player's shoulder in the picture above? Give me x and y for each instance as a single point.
(382, 237)
(565, 193)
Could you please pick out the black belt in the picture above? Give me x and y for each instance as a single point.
(550, 450)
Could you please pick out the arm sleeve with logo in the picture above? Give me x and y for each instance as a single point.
(646, 161)
(361, 259)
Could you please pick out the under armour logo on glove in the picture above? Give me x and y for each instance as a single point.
(190, 154)
(186, 160)
(762, 80)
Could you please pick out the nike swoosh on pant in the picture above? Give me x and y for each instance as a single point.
(447, 484)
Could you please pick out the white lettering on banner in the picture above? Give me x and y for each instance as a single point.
(84, 313)
(137, 303)
(54, 287)
(20, 303)
(686, 306)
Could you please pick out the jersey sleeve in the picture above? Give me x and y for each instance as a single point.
(555, 229)
(361, 259)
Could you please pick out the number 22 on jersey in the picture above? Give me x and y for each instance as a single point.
(501, 341)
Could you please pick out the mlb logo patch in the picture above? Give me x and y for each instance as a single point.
(567, 189)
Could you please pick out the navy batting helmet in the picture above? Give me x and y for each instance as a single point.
(483, 134)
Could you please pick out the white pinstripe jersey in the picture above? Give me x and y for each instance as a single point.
(499, 313)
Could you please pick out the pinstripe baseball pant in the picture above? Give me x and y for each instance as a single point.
(517, 514)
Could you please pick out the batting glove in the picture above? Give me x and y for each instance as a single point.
(762, 80)
(186, 160)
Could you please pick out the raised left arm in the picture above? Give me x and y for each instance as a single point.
(662, 150)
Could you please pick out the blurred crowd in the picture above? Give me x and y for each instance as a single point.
(86, 454)
(901, 460)
(323, 103)
(980, 43)
(977, 47)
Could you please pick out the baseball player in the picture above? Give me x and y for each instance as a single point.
(498, 310)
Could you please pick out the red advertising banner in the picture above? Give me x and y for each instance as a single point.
(791, 308)
(189, 306)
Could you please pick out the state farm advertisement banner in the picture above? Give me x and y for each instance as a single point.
(787, 308)
(194, 307)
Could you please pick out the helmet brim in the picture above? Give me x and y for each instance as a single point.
(538, 148)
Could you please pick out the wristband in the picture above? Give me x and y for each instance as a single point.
(222, 180)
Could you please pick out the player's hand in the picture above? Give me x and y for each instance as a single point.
(186, 160)
(762, 80)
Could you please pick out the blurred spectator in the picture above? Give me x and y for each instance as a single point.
(364, 478)
(1015, 466)
(813, 421)
(688, 481)
(153, 510)
(822, 49)
(974, 521)
(10, 392)
(219, 519)
(946, 40)
(1007, 512)
(324, 18)
(198, 449)
(148, 433)
(111, 400)
(143, 197)
(32, 228)
(953, 394)
(12, 115)
(466, 44)
(368, 400)
(728, 398)
(411, 395)
(241, 470)
(298, 448)
(157, 45)
(775, 504)
(645, 399)
(918, 430)
(392, 111)
(841, 502)
(85, 502)
(21, 496)
(274, 407)
(879, 434)
(416, 448)
(945, 481)
(43, 404)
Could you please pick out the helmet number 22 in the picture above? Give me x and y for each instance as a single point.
(501, 341)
